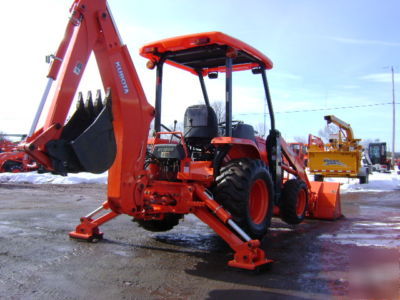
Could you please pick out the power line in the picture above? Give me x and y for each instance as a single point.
(322, 109)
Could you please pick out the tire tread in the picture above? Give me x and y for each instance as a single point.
(233, 187)
(289, 196)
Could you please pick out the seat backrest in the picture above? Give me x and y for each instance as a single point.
(200, 122)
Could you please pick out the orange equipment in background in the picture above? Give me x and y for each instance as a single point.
(11, 158)
(300, 150)
(315, 143)
(222, 173)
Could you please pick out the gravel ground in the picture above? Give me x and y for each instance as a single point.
(315, 260)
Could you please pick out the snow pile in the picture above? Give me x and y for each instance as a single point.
(377, 182)
(48, 178)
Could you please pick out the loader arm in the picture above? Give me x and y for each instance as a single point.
(91, 29)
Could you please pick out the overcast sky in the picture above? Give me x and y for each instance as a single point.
(326, 54)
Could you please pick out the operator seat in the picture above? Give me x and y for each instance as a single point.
(200, 124)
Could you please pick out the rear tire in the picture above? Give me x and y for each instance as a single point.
(364, 179)
(169, 222)
(319, 178)
(294, 201)
(12, 166)
(244, 188)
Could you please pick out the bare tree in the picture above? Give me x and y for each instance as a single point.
(327, 132)
(261, 130)
(178, 126)
(3, 136)
(219, 109)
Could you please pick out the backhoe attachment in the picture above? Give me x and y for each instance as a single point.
(113, 136)
(87, 142)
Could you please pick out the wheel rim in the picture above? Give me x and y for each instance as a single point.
(259, 201)
(301, 202)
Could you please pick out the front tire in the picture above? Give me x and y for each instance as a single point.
(244, 188)
(294, 201)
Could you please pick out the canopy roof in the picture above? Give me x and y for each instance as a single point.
(206, 52)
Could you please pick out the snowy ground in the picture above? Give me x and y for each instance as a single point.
(47, 178)
(377, 181)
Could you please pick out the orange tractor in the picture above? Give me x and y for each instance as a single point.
(11, 158)
(222, 173)
(6, 144)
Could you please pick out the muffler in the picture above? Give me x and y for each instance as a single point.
(87, 142)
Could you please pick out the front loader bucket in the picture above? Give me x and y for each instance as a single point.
(87, 143)
(326, 204)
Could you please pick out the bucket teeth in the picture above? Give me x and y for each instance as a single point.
(80, 105)
(107, 100)
(89, 106)
(98, 103)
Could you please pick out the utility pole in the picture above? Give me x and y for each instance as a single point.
(394, 120)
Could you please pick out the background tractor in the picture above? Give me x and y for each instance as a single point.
(11, 158)
(377, 157)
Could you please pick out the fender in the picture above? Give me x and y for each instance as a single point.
(239, 147)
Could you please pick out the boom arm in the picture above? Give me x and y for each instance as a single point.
(342, 125)
(91, 29)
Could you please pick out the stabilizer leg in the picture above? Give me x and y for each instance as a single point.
(248, 254)
(88, 229)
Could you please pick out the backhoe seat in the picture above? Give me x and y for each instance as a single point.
(244, 131)
(200, 124)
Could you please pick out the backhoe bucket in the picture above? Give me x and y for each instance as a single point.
(327, 200)
(87, 143)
